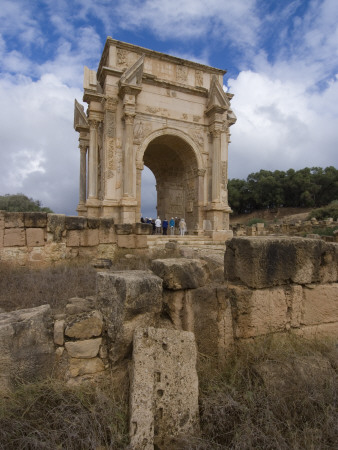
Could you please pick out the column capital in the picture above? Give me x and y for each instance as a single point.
(110, 103)
(94, 123)
(129, 117)
(215, 132)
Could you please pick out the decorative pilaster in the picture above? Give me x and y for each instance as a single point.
(128, 155)
(93, 159)
(216, 166)
(83, 172)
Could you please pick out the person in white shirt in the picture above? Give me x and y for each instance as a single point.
(158, 224)
(183, 227)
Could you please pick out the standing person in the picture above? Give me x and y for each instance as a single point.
(183, 227)
(158, 224)
(165, 227)
(152, 221)
(172, 226)
(177, 223)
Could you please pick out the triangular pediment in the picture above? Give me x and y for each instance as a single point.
(133, 75)
(80, 118)
(217, 97)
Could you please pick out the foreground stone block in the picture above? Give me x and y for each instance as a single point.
(259, 312)
(56, 225)
(14, 219)
(78, 367)
(320, 304)
(181, 273)
(127, 300)
(260, 262)
(35, 237)
(85, 326)
(35, 219)
(14, 237)
(164, 387)
(26, 345)
(88, 348)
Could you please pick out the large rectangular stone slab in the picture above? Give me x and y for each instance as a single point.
(260, 262)
(127, 299)
(164, 387)
(14, 237)
(181, 273)
(26, 345)
(264, 311)
(320, 304)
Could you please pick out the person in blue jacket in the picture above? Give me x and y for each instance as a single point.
(172, 226)
(165, 227)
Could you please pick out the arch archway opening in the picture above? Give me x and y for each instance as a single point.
(148, 193)
(174, 165)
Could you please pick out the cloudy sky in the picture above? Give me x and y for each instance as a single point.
(282, 63)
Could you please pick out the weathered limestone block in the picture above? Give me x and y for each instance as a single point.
(213, 326)
(106, 222)
(73, 238)
(93, 223)
(107, 235)
(123, 228)
(78, 367)
(79, 305)
(35, 237)
(75, 223)
(261, 262)
(85, 326)
(131, 241)
(26, 345)
(14, 237)
(56, 225)
(181, 273)
(89, 238)
(88, 348)
(14, 219)
(263, 311)
(318, 331)
(127, 300)
(35, 219)
(59, 328)
(142, 228)
(320, 304)
(164, 387)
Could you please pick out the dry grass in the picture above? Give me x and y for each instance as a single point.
(26, 288)
(49, 415)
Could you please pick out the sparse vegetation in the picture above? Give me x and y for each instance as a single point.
(278, 392)
(331, 210)
(50, 415)
(21, 287)
(254, 221)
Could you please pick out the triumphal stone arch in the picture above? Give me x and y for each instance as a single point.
(170, 114)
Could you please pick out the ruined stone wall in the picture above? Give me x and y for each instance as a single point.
(37, 239)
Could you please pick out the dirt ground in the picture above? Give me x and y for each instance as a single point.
(271, 215)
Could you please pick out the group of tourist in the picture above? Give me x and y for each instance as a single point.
(175, 225)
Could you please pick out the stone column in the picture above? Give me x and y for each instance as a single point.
(93, 159)
(83, 173)
(128, 155)
(216, 166)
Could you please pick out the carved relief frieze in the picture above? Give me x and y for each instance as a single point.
(198, 137)
(121, 57)
(199, 78)
(110, 124)
(111, 158)
(182, 74)
(109, 103)
(141, 130)
(185, 116)
(196, 118)
(171, 93)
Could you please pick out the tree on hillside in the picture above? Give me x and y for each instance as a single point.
(308, 187)
(21, 203)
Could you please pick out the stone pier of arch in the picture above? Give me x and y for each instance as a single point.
(149, 109)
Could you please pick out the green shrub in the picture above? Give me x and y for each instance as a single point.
(254, 221)
(326, 231)
(331, 210)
